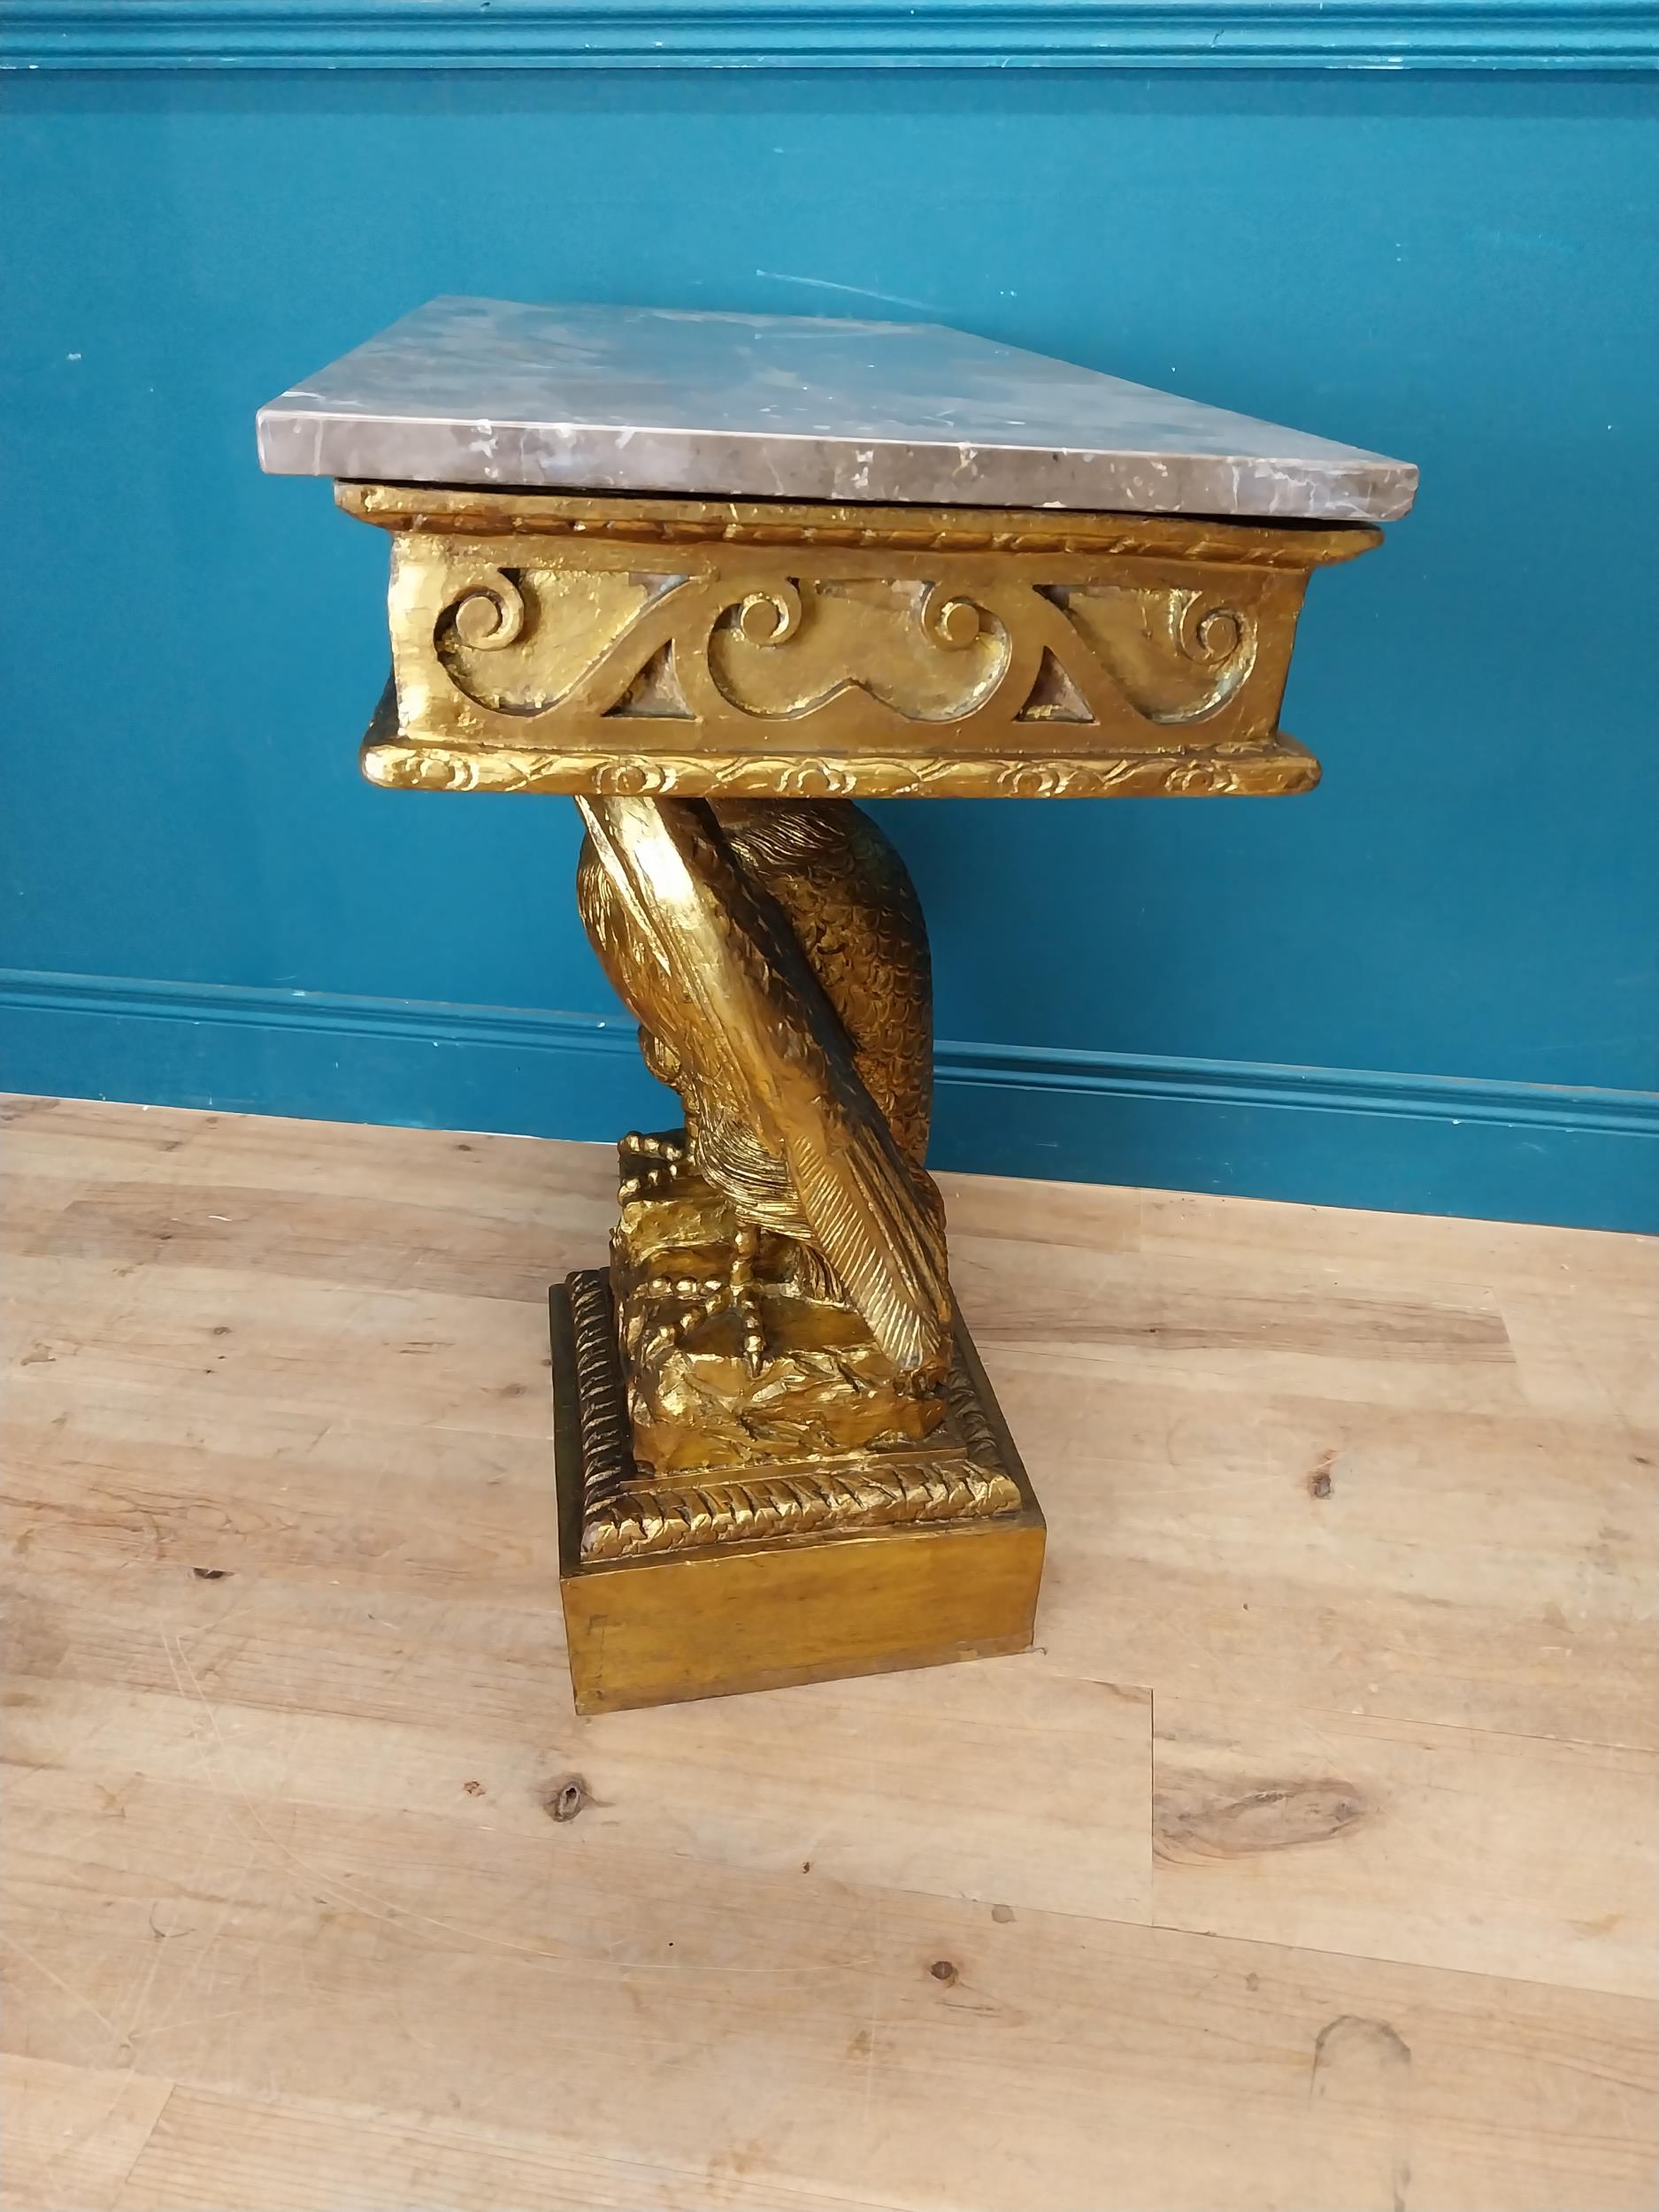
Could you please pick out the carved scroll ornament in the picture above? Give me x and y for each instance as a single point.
(644, 648)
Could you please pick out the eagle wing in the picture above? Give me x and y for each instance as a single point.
(852, 909)
(720, 979)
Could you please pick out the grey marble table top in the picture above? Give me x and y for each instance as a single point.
(628, 399)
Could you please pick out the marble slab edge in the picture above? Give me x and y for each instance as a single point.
(588, 458)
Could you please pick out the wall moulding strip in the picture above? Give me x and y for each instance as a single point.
(1501, 1151)
(1127, 35)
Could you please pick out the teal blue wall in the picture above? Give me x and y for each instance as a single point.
(1457, 268)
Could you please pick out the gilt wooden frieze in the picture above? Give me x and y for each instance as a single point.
(548, 643)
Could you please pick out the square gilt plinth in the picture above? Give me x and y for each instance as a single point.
(718, 578)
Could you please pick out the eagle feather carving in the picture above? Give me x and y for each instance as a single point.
(774, 956)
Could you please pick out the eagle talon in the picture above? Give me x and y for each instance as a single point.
(698, 1298)
(740, 1293)
(659, 1161)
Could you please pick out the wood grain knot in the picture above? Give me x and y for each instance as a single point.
(1200, 1819)
(566, 1798)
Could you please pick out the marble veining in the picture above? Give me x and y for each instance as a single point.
(619, 399)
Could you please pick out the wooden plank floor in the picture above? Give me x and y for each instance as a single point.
(1307, 1866)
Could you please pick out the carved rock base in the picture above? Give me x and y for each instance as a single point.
(818, 1384)
(755, 1575)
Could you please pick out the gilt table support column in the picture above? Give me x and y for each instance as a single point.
(778, 1458)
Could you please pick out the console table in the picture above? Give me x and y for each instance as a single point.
(716, 578)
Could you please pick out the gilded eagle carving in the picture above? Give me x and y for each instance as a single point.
(774, 956)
